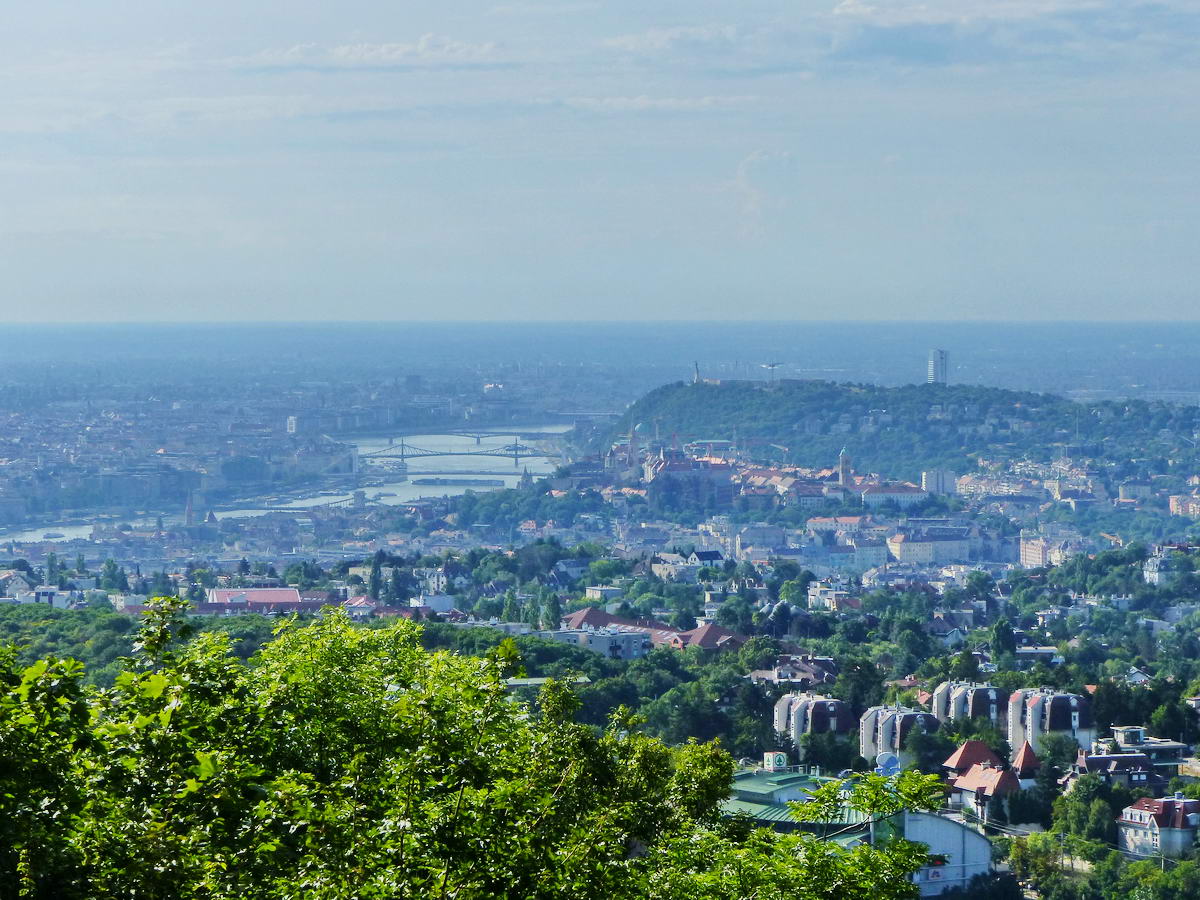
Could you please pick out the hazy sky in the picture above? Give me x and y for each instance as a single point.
(566, 159)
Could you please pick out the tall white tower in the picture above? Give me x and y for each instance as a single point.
(939, 367)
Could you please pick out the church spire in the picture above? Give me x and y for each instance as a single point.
(844, 468)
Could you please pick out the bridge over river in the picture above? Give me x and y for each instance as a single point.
(405, 451)
(479, 436)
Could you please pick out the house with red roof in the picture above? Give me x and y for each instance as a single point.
(971, 753)
(975, 789)
(1164, 827)
(712, 638)
(359, 608)
(1025, 764)
(594, 617)
(264, 601)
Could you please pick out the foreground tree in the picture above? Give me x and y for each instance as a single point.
(346, 762)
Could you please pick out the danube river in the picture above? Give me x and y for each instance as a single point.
(382, 490)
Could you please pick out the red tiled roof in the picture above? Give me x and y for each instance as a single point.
(1026, 761)
(987, 781)
(1168, 812)
(594, 617)
(969, 754)
(710, 637)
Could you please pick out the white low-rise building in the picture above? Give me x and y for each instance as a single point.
(611, 642)
(960, 853)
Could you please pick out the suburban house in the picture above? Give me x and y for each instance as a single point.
(798, 672)
(976, 788)
(1128, 770)
(799, 714)
(591, 617)
(1165, 827)
(969, 755)
(885, 730)
(708, 637)
(949, 634)
(611, 642)
(1026, 764)
(1166, 755)
(1034, 712)
(267, 601)
(602, 592)
(953, 700)
(957, 853)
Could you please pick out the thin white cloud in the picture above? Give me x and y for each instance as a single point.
(982, 34)
(542, 9)
(657, 40)
(937, 12)
(760, 183)
(428, 50)
(643, 103)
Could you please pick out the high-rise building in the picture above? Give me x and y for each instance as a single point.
(799, 714)
(885, 729)
(957, 700)
(939, 481)
(939, 367)
(1034, 712)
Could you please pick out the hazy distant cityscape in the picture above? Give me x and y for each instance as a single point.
(975, 558)
(192, 420)
(590, 450)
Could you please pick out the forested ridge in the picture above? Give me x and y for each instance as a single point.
(901, 430)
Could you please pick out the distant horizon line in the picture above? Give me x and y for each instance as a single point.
(584, 322)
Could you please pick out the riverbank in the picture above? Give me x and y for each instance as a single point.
(462, 464)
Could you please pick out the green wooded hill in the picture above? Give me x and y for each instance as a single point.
(902, 430)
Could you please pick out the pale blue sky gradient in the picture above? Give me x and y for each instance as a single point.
(945, 159)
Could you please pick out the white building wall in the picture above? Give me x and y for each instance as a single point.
(968, 853)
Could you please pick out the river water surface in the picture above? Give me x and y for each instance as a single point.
(389, 492)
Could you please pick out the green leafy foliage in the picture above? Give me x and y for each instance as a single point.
(346, 762)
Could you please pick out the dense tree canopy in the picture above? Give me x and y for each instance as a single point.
(350, 762)
(918, 426)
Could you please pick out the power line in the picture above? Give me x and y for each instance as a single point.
(1012, 832)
